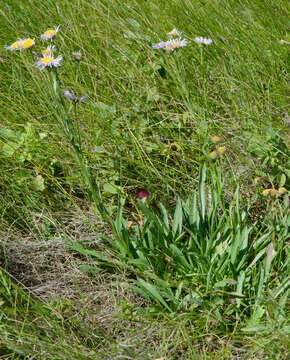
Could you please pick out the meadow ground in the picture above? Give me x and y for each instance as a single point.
(150, 219)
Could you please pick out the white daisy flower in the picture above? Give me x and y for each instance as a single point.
(77, 55)
(47, 52)
(174, 43)
(21, 44)
(49, 34)
(71, 96)
(202, 40)
(27, 43)
(159, 45)
(284, 42)
(174, 32)
(48, 61)
(17, 45)
(170, 45)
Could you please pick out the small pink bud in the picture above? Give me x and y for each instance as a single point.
(142, 194)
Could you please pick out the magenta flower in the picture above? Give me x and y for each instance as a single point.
(142, 194)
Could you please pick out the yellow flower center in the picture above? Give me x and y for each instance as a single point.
(168, 47)
(16, 45)
(176, 44)
(47, 60)
(28, 43)
(50, 32)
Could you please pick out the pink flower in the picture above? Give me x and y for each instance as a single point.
(142, 194)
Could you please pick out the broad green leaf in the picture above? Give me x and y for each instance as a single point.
(240, 285)
(152, 292)
(201, 190)
(178, 218)
(282, 287)
(178, 256)
(111, 188)
(257, 328)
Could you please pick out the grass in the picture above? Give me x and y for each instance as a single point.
(206, 275)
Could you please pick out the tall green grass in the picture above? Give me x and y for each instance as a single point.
(210, 243)
(142, 102)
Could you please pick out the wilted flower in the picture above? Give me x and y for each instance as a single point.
(282, 190)
(221, 149)
(129, 224)
(202, 40)
(216, 139)
(77, 55)
(213, 154)
(48, 61)
(174, 32)
(21, 44)
(71, 96)
(142, 194)
(49, 34)
(273, 192)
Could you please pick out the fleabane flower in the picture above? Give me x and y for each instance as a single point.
(17, 45)
(170, 45)
(48, 61)
(265, 192)
(174, 32)
(71, 96)
(174, 44)
(21, 44)
(159, 45)
(27, 43)
(48, 51)
(202, 40)
(77, 55)
(50, 33)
